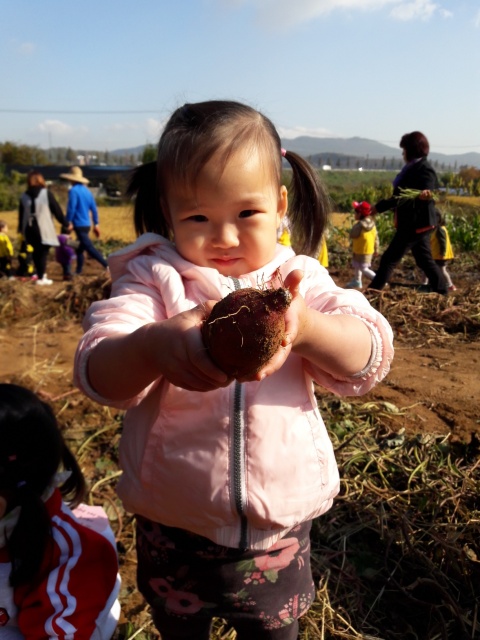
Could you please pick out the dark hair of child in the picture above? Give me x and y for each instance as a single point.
(32, 451)
(193, 134)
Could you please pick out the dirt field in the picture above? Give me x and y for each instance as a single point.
(434, 380)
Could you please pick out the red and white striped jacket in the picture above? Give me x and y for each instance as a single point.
(75, 594)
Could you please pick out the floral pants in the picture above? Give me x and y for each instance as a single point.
(188, 579)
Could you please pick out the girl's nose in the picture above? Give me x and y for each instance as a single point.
(225, 235)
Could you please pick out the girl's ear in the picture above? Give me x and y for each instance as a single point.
(282, 206)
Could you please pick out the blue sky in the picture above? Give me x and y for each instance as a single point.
(106, 74)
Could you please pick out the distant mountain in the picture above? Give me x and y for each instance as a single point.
(351, 151)
(357, 147)
(136, 151)
(364, 148)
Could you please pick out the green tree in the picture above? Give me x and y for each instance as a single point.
(11, 153)
(149, 154)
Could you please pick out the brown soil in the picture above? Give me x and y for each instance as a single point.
(433, 387)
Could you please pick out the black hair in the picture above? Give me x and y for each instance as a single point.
(193, 134)
(415, 145)
(32, 450)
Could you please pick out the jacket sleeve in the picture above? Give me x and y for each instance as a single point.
(55, 208)
(387, 204)
(75, 596)
(71, 205)
(356, 230)
(135, 300)
(21, 213)
(421, 177)
(326, 297)
(93, 209)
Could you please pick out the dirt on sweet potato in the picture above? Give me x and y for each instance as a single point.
(245, 329)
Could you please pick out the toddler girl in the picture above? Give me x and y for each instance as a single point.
(6, 251)
(58, 568)
(225, 476)
(65, 252)
(364, 244)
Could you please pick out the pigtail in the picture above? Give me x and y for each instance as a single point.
(142, 187)
(74, 488)
(309, 206)
(27, 543)
(32, 451)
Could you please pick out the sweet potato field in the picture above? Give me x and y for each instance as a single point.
(398, 555)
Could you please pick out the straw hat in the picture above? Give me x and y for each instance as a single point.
(75, 175)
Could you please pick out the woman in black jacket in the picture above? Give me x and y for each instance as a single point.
(414, 218)
(36, 208)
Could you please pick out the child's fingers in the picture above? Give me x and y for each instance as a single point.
(274, 364)
(292, 281)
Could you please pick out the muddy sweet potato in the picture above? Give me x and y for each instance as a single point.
(245, 329)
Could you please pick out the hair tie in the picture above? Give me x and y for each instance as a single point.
(284, 152)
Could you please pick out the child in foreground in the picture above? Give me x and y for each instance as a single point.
(225, 476)
(364, 244)
(58, 568)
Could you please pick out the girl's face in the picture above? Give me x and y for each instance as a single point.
(230, 221)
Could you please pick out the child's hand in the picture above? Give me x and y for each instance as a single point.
(295, 317)
(183, 358)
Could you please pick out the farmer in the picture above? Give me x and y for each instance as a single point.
(225, 476)
(81, 206)
(414, 218)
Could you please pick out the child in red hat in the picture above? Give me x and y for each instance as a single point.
(364, 244)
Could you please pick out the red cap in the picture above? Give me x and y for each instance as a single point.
(363, 208)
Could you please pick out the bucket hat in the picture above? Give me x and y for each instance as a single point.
(75, 175)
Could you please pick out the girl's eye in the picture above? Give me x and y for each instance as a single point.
(197, 218)
(246, 213)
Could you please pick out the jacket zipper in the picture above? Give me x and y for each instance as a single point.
(238, 453)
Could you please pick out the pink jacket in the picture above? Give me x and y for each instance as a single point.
(240, 465)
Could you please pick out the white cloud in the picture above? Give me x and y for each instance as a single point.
(154, 128)
(23, 48)
(116, 127)
(421, 9)
(286, 13)
(61, 131)
(26, 48)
